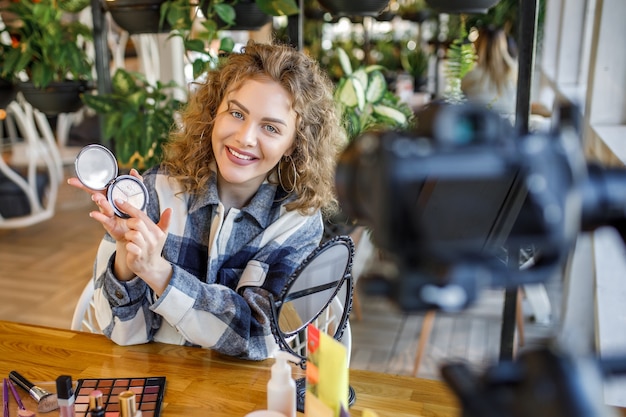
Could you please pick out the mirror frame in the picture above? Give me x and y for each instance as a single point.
(346, 277)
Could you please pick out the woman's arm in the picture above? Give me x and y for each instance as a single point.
(118, 303)
(234, 319)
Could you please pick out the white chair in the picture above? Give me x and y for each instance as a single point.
(31, 150)
(84, 319)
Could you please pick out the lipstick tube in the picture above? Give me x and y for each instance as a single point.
(128, 404)
(96, 404)
(65, 396)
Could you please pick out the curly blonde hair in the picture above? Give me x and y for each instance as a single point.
(319, 137)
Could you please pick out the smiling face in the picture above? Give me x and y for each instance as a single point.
(255, 126)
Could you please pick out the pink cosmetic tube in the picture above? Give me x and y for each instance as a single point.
(65, 395)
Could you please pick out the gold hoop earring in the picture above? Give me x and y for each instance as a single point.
(295, 175)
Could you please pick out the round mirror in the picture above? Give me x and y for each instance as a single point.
(312, 287)
(95, 167)
(319, 292)
(310, 290)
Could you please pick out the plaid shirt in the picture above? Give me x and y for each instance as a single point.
(225, 265)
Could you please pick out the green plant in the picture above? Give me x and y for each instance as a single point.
(505, 14)
(181, 17)
(45, 47)
(138, 117)
(5, 47)
(415, 10)
(461, 58)
(415, 61)
(365, 100)
(386, 52)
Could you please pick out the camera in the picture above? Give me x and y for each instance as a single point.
(454, 201)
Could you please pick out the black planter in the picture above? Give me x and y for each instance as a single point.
(313, 13)
(7, 93)
(462, 6)
(57, 97)
(418, 16)
(386, 16)
(419, 83)
(137, 16)
(354, 7)
(248, 16)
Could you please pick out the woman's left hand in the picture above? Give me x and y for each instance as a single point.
(145, 240)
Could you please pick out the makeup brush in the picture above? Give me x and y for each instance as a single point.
(46, 401)
(21, 410)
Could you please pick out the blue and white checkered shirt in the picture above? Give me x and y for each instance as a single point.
(224, 267)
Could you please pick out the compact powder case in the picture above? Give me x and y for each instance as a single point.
(96, 168)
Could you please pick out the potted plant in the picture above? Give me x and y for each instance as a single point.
(415, 62)
(7, 86)
(415, 11)
(46, 57)
(137, 16)
(354, 7)
(218, 15)
(366, 101)
(366, 104)
(247, 16)
(138, 117)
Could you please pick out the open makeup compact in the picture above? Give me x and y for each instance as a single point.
(319, 292)
(96, 167)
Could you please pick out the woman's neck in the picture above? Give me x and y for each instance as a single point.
(235, 195)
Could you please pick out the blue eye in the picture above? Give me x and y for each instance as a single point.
(236, 114)
(271, 129)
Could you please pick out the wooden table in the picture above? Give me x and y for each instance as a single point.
(199, 382)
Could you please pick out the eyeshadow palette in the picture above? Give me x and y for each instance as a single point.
(148, 394)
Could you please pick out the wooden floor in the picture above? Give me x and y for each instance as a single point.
(43, 269)
(386, 340)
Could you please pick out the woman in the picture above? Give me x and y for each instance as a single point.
(493, 80)
(234, 208)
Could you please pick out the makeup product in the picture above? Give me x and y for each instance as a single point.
(264, 413)
(281, 388)
(148, 391)
(65, 396)
(5, 398)
(96, 167)
(46, 401)
(128, 404)
(96, 404)
(21, 410)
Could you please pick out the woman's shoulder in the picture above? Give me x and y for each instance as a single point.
(159, 179)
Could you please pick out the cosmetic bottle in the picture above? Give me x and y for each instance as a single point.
(96, 404)
(281, 388)
(65, 396)
(128, 404)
